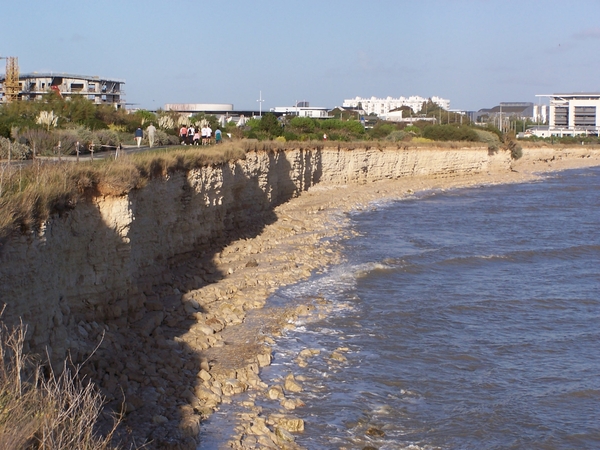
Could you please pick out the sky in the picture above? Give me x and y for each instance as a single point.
(474, 53)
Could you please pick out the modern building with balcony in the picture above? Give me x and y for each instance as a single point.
(570, 114)
(302, 109)
(573, 114)
(33, 86)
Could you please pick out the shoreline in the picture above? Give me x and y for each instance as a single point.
(304, 240)
(163, 291)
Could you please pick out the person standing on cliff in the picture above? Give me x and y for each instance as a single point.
(139, 134)
(203, 133)
(183, 134)
(208, 134)
(150, 131)
(190, 134)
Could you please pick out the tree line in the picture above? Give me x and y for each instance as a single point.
(55, 124)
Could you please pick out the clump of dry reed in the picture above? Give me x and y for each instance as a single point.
(56, 412)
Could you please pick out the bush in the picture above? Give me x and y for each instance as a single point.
(516, 151)
(382, 130)
(492, 139)
(450, 133)
(39, 139)
(162, 138)
(18, 151)
(399, 135)
(107, 137)
(413, 129)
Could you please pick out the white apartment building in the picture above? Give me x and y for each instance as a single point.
(381, 106)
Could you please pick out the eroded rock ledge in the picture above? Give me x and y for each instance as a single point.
(161, 276)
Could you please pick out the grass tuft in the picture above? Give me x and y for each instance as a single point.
(56, 412)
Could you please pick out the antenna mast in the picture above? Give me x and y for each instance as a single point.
(260, 101)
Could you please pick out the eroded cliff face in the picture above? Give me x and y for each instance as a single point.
(97, 262)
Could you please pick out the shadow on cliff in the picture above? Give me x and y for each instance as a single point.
(179, 225)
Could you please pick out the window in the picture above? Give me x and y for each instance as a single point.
(561, 116)
(585, 116)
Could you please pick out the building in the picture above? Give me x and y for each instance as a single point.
(573, 114)
(302, 109)
(569, 115)
(33, 86)
(397, 116)
(224, 112)
(379, 106)
(511, 110)
(193, 108)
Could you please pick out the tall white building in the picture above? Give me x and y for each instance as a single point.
(381, 106)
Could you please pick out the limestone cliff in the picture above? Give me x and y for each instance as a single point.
(97, 261)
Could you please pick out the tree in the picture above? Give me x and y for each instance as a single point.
(270, 124)
(430, 109)
(301, 125)
(145, 117)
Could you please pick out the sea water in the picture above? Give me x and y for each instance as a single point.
(468, 319)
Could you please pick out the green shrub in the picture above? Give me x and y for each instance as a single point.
(398, 135)
(516, 151)
(450, 133)
(492, 139)
(413, 129)
(381, 130)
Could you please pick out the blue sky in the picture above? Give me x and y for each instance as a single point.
(475, 53)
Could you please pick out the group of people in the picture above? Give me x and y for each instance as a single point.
(188, 135)
(192, 136)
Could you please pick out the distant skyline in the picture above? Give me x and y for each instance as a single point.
(474, 53)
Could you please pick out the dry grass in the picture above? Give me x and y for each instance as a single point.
(45, 413)
(30, 194)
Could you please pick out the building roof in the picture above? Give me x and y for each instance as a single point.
(26, 76)
(576, 94)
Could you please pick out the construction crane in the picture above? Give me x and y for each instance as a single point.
(11, 79)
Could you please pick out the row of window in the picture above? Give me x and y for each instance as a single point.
(583, 116)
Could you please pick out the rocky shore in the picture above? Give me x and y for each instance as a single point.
(180, 345)
(220, 354)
